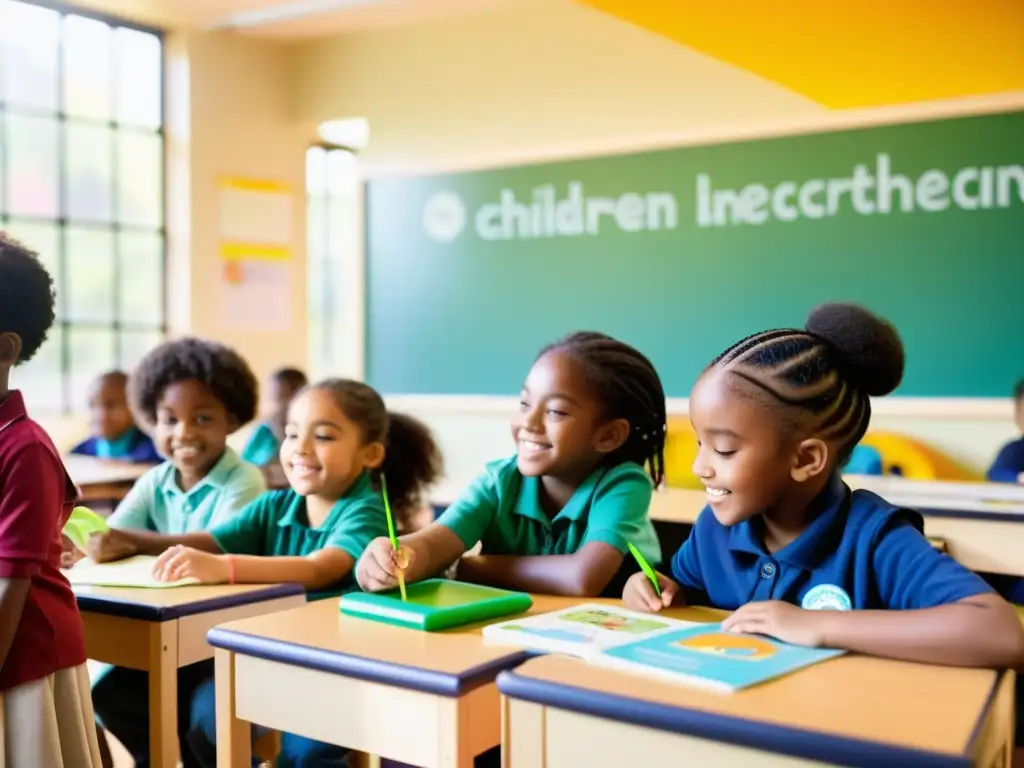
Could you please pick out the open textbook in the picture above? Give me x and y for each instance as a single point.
(701, 655)
(131, 572)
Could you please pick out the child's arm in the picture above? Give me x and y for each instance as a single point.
(1008, 464)
(584, 573)
(422, 554)
(118, 543)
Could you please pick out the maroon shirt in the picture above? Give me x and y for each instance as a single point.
(36, 498)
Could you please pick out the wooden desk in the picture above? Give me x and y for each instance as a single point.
(423, 698)
(102, 480)
(159, 630)
(560, 712)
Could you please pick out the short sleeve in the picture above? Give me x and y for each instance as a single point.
(246, 484)
(1008, 464)
(686, 570)
(245, 532)
(910, 573)
(30, 507)
(474, 512)
(618, 514)
(135, 512)
(358, 526)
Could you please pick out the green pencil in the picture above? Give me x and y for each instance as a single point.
(645, 567)
(391, 532)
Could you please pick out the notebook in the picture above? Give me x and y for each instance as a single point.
(701, 655)
(134, 572)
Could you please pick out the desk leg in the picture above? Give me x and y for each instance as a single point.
(455, 748)
(234, 749)
(163, 694)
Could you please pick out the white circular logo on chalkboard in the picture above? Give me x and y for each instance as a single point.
(826, 597)
(444, 216)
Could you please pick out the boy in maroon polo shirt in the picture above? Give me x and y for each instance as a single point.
(46, 713)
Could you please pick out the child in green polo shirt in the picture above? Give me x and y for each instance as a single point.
(193, 394)
(557, 517)
(338, 439)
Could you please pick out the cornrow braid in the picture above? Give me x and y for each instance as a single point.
(629, 388)
(824, 375)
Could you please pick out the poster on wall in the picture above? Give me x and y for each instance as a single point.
(255, 226)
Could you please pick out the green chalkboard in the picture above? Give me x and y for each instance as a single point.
(683, 251)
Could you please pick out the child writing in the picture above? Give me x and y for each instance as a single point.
(45, 712)
(557, 517)
(783, 537)
(1008, 466)
(193, 394)
(338, 440)
(115, 435)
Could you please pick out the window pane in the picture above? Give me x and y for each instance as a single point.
(316, 237)
(92, 353)
(142, 278)
(91, 280)
(43, 237)
(134, 345)
(29, 40)
(342, 173)
(88, 185)
(316, 170)
(40, 378)
(139, 61)
(32, 166)
(87, 68)
(140, 179)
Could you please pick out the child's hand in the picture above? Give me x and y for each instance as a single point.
(780, 620)
(377, 569)
(70, 554)
(639, 594)
(111, 545)
(180, 562)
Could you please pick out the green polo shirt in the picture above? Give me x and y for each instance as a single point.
(276, 524)
(502, 510)
(156, 503)
(262, 447)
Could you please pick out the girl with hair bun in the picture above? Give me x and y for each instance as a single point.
(784, 543)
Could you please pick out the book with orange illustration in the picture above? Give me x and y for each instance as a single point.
(702, 655)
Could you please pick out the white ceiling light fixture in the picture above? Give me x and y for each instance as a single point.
(350, 132)
(283, 12)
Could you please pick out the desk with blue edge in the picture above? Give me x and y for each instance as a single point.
(160, 630)
(560, 712)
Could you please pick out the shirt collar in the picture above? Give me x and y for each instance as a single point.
(217, 478)
(118, 447)
(296, 513)
(11, 408)
(528, 505)
(820, 538)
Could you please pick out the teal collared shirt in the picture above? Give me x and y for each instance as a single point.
(277, 524)
(117, 448)
(262, 447)
(156, 503)
(502, 511)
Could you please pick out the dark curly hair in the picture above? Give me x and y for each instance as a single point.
(26, 296)
(219, 367)
(412, 460)
(821, 377)
(628, 387)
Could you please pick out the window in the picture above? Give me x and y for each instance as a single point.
(332, 186)
(82, 183)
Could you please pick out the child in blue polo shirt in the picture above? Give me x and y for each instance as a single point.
(338, 438)
(114, 433)
(1008, 466)
(193, 394)
(783, 537)
(557, 517)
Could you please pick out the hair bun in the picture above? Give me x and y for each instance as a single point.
(870, 347)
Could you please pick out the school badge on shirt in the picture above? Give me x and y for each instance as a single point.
(826, 597)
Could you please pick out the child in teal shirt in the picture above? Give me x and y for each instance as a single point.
(312, 533)
(558, 517)
(193, 394)
(264, 443)
(114, 433)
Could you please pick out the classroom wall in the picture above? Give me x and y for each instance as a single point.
(517, 84)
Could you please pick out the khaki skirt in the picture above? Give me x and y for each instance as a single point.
(48, 723)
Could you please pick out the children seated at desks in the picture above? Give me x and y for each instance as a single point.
(785, 544)
(264, 443)
(557, 517)
(1008, 466)
(193, 394)
(115, 435)
(338, 440)
(45, 712)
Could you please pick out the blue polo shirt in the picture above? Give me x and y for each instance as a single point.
(134, 446)
(860, 553)
(1009, 463)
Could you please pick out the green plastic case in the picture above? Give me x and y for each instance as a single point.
(436, 604)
